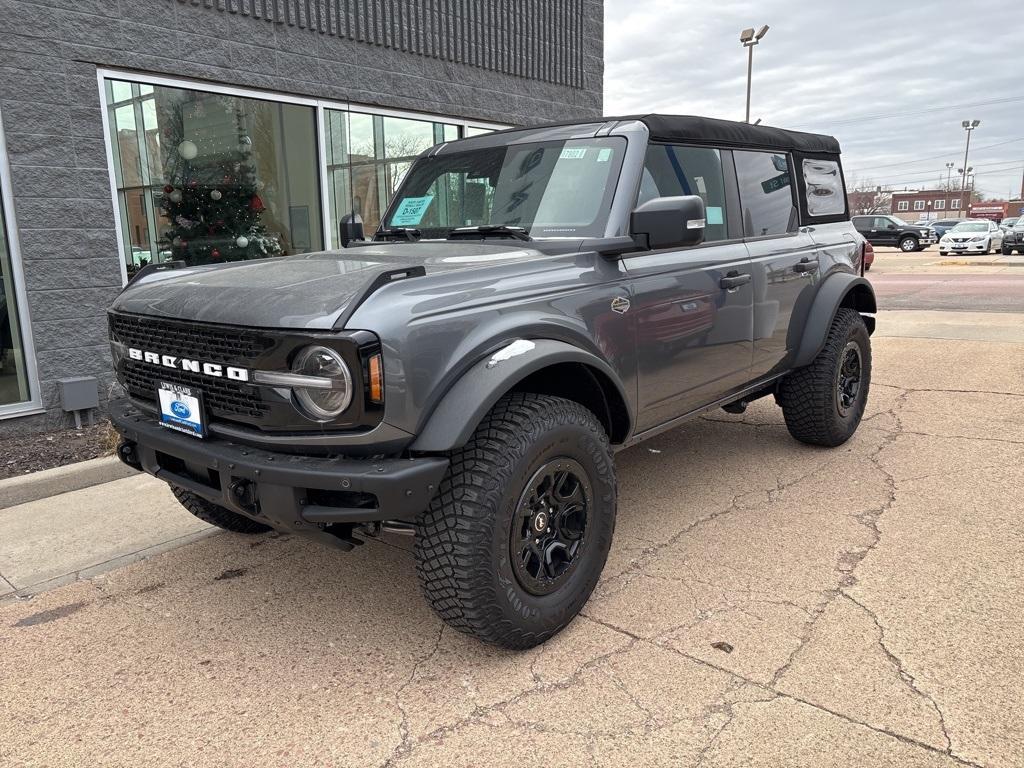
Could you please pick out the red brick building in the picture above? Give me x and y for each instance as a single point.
(929, 204)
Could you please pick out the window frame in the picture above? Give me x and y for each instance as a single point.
(319, 122)
(954, 204)
(34, 403)
(919, 205)
(902, 206)
(939, 205)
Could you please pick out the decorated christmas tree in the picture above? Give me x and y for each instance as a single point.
(212, 196)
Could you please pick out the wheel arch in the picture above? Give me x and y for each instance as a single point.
(838, 290)
(549, 367)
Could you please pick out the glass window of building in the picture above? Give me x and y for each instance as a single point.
(368, 156)
(14, 386)
(209, 178)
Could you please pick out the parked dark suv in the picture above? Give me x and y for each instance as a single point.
(889, 230)
(534, 301)
(1013, 239)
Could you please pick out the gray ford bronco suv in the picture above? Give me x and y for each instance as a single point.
(534, 301)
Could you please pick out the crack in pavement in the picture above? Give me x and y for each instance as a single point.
(901, 669)
(406, 742)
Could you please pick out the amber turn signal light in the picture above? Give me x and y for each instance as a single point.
(376, 379)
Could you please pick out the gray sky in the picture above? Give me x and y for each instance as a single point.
(828, 66)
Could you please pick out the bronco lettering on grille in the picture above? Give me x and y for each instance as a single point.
(192, 366)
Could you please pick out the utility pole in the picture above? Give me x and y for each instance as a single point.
(949, 172)
(968, 125)
(749, 40)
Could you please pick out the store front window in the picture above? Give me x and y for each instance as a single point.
(209, 178)
(369, 155)
(14, 386)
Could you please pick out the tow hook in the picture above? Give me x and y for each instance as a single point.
(244, 494)
(126, 452)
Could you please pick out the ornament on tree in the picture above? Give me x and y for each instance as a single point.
(177, 242)
(242, 241)
(188, 150)
(175, 196)
(215, 253)
(168, 189)
(256, 203)
(216, 194)
(260, 184)
(246, 143)
(193, 184)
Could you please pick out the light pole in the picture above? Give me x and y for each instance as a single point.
(949, 172)
(968, 125)
(749, 40)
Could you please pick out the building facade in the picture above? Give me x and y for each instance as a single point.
(913, 205)
(215, 130)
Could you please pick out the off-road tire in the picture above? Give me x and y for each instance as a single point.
(210, 513)
(462, 541)
(809, 397)
(914, 244)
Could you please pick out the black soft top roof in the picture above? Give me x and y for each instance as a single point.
(709, 130)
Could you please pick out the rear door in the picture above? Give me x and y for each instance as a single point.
(692, 306)
(885, 231)
(783, 256)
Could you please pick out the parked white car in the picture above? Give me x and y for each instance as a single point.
(972, 236)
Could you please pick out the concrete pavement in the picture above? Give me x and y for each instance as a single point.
(765, 603)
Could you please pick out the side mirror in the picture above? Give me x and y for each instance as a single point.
(891, 226)
(350, 228)
(669, 222)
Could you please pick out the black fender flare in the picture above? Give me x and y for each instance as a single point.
(838, 289)
(464, 406)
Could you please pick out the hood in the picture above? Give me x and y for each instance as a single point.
(313, 291)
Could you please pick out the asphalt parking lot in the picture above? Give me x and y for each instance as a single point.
(765, 604)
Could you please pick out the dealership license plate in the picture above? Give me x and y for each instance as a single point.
(181, 409)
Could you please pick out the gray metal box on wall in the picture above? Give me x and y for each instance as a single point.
(79, 393)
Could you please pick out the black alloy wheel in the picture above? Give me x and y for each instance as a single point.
(548, 535)
(848, 376)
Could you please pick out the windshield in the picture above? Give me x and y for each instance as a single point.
(971, 226)
(898, 220)
(550, 189)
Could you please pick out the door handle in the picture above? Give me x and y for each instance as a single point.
(806, 265)
(733, 280)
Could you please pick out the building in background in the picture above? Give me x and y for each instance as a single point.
(916, 204)
(216, 130)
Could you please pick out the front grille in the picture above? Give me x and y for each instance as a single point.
(213, 344)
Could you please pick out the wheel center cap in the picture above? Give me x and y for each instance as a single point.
(540, 521)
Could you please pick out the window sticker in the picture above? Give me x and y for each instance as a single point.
(825, 189)
(604, 155)
(713, 215)
(410, 211)
(702, 188)
(573, 153)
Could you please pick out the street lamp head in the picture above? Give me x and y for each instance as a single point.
(975, 123)
(748, 34)
(761, 32)
(966, 123)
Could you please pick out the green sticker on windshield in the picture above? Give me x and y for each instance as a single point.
(410, 211)
(603, 155)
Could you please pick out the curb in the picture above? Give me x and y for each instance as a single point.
(53, 482)
(967, 262)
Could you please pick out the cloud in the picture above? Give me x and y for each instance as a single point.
(828, 67)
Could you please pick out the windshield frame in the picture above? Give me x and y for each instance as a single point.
(603, 221)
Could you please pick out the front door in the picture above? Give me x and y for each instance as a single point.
(783, 256)
(692, 306)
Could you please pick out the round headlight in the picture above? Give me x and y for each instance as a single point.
(330, 391)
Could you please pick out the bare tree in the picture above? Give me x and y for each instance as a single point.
(867, 197)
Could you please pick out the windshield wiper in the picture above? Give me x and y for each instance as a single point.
(485, 230)
(411, 234)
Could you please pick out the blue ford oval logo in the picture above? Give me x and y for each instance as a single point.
(180, 410)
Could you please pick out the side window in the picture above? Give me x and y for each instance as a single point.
(766, 193)
(881, 222)
(824, 185)
(670, 171)
(860, 222)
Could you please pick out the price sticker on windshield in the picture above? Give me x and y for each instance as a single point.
(410, 211)
(573, 153)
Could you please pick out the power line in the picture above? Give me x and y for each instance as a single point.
(913, 113)
(933, 157)
(1010, 165)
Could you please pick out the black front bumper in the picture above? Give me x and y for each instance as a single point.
(299, 494)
